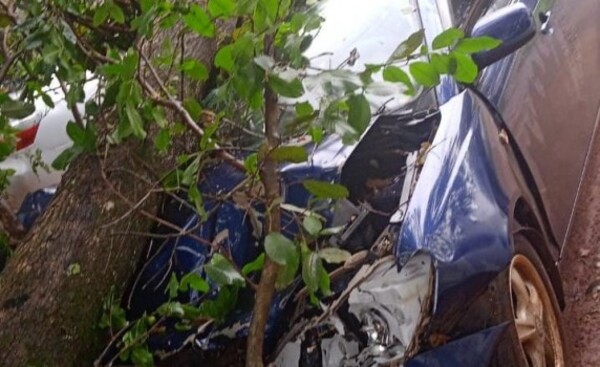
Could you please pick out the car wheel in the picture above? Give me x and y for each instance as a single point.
(535, 310)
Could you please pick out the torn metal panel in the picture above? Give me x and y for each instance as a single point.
(385, 311)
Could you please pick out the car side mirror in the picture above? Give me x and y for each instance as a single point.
(513, 25)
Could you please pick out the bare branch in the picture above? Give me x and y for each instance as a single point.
(74, 110)
(178, 107)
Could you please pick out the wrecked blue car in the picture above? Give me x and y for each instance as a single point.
(460, 202)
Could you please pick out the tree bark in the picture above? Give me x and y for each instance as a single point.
(49, 310)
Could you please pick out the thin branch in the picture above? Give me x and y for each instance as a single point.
(76, 115)
(178, 107)
(145, 213)
(270, 180)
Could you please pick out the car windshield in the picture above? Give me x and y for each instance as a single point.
(374, 28)
(355, 33)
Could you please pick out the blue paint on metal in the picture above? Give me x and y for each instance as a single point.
(33, 206)
(458, 211)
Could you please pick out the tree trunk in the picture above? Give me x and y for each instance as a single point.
(48, 311)
(52, 289)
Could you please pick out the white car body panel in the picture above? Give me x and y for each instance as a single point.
(51, 140)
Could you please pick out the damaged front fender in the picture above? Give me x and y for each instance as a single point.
(376, 321)
(460, 209)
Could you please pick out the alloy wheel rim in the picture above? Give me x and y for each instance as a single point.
(534, 317)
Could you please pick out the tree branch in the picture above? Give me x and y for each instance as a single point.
(266, 287)
(178, 107)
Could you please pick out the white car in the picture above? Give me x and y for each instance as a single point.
(41, 138)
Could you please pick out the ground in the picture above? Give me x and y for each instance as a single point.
(580, 267)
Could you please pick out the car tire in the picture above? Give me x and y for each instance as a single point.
(537, 324)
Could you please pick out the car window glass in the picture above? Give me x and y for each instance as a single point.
(460, 10)
(499, 4)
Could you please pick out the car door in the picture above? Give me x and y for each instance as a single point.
(549, 96)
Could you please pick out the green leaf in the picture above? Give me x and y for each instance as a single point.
(15, 109)
(334, 255)
(265, 13)
(141, 356)
(447, 38)
(193, 107)
(101, 15)
(171, 309)
(332, 230)
(359, 113)
(424, 74)
(51, 52)
(324, 281)
(466, 69)
(271, 8)
(311, 264)
(255, 265)
(326, 190)
(199, 21)
(477, 44)
(395, 74)
(135, 121)
(163, 140)
(251, 164)
(224, 58)
(280, 249)
(193, 281)
(222, 271)
(173, 286)
(294, 154)
(158, 114)
(304, 109)
(312, 225)
(222, 305)
(116, 13)
(66, 157)
(265, 62)
(287, 273)
(76, 133)
(408, 47)
(218, 8)
(443, 64)
(316, 134)
(197, 199)
(195, 69)
(291, 89)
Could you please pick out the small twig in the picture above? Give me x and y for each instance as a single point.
(145, 213)
(74, 110)
(180, 109)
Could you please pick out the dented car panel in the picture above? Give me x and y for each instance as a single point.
(459, 211)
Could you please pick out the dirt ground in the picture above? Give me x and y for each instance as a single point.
(580, 267)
